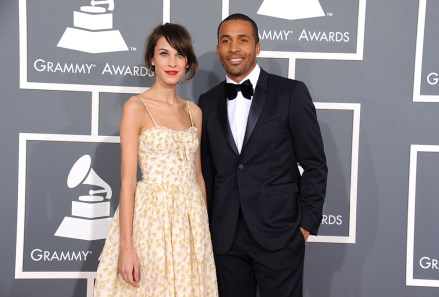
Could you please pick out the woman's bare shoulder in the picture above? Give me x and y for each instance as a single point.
(194, 107)
(195, 112)
(134, 105)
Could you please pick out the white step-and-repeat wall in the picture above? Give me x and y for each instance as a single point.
(69, 65)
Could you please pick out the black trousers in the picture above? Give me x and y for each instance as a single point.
(247, 266)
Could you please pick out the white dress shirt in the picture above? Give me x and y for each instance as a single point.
(239, 108)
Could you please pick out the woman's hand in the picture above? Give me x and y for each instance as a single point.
(128, 266)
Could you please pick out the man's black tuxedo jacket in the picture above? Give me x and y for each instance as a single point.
(264, 180)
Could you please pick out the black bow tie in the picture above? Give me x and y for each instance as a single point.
(246, 89)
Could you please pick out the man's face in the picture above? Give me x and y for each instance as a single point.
(237, 49)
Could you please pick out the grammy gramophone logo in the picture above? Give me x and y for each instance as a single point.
(93, 31)
(90, 218)
(291, 9)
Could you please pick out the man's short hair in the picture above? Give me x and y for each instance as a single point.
(240, 17)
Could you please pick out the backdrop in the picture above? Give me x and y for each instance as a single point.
(372, 68)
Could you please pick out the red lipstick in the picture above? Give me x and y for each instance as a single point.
(171, 72)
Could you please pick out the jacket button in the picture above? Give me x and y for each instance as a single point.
(241, 166)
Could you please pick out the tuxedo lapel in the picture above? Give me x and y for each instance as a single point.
(258, 103)
(224, 121)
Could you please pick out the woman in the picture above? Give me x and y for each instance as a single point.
(159, 241)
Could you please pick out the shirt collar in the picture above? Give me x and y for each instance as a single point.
(253, 77)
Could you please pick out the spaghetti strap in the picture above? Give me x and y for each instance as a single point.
(146, 107)
(190, 114)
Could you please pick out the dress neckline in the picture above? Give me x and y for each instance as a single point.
(191, 128)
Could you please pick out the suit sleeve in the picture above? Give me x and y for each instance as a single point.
(308, 145)
(207, 164)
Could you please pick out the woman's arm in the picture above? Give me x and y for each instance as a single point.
(197, 117)
(130, 126)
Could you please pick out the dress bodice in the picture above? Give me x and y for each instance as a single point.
(167, 156)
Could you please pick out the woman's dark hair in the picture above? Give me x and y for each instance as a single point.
(179, 38)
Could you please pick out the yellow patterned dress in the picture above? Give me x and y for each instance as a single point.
(170, 226)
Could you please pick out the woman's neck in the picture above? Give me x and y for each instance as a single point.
(164, 93)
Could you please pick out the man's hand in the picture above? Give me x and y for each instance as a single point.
(305, 234)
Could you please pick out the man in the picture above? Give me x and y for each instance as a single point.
(261, 209)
